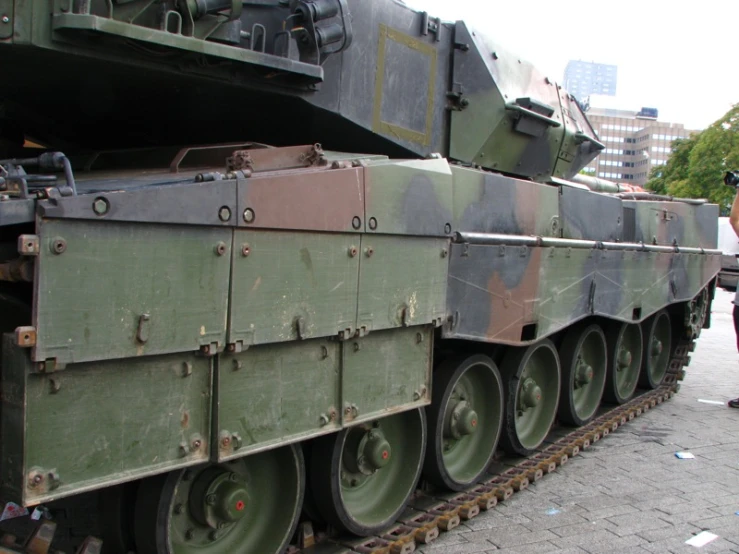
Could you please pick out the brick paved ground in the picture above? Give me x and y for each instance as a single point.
(628, 493)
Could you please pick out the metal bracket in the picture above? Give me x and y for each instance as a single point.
(404, 319)
(237, 346)
(346, 334)
(300, 327)
(532, 117)
(241, 159)
(457, 101)
(453, 320)
(431, 25)
(142, 332)
(28, 245)
(350, 412)
(315, 156)
(228, 443)
(50, 365)
(210, 349)
(25, 337)
(255, 160)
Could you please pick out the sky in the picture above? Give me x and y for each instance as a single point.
(679, 57)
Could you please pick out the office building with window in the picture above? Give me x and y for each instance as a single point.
(635, 143)
(585, 78)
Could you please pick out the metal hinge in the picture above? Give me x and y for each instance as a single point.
(457, 101)
(431, 25)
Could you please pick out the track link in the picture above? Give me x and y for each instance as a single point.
(430, 513)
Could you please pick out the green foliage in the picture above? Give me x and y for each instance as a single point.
(697, 165)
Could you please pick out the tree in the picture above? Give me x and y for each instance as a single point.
(697, 165)
(676, 169)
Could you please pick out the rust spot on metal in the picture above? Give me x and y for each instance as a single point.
(275, 159)
(185, 419)
(241, 159)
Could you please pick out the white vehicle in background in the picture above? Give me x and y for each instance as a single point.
(728, 242)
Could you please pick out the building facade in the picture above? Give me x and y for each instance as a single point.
(585, 78)
(635, 143)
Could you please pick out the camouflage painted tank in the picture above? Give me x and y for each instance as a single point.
(210, 342)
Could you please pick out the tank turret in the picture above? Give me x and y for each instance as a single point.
(362, 76)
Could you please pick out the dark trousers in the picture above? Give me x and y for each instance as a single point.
(736, 325)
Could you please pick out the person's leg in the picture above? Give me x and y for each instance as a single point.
(735, 403)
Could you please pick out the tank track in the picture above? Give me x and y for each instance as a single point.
(430, 513)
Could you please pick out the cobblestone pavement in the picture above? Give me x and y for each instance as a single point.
(628, 493)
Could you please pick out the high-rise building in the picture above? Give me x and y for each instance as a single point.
(635, 143)
(585, 78)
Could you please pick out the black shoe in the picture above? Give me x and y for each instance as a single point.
(734, 403)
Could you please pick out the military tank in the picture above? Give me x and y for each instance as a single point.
(309, 275)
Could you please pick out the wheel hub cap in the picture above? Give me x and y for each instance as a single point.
(224, 501)
(530, 394)
(656, 347)
(464, 420)
(624, 359)
(585, 374)
(365, 453)
(376, 452)
(230, 502)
